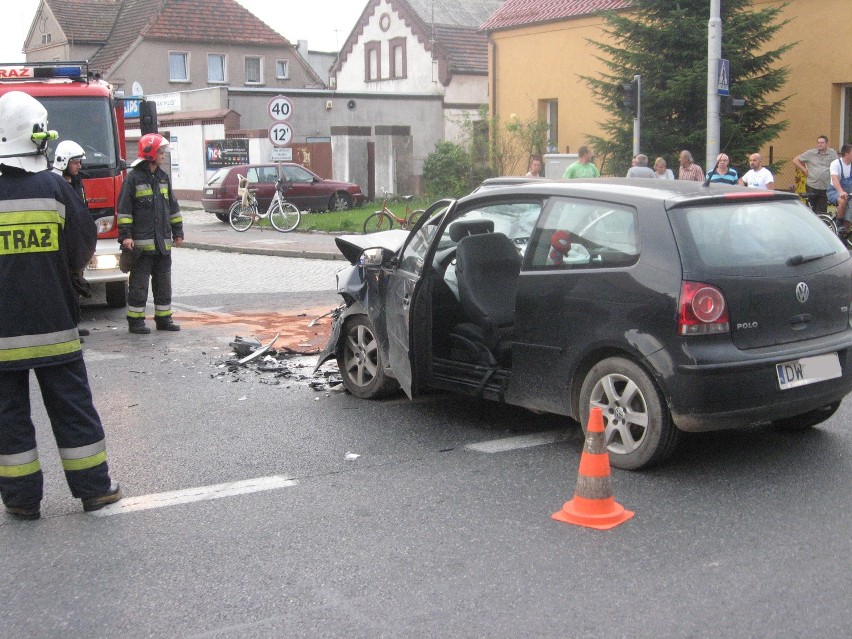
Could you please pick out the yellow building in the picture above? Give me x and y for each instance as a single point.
(539, 49)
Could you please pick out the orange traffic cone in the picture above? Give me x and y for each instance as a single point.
(594, 505)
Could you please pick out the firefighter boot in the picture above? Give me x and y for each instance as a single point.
(166, 324)
(137, 325)
(109, 497)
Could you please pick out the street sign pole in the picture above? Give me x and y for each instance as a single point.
(637, 120)
(714, 54)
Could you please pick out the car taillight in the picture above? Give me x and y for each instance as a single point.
(703, 310)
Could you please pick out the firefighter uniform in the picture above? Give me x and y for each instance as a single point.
(46, 234)
(149, 214)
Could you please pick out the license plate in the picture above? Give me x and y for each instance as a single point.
(808, 370)
(208, 192)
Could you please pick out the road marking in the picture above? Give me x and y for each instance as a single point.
(189, 495)
(521, 441)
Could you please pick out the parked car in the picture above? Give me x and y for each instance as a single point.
(672, 306)
(308, 191)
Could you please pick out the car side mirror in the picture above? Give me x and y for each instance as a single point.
(378, 257)
(122, 164)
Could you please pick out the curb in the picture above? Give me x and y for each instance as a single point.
(227, 248)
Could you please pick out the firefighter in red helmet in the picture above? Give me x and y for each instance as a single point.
(149, 224)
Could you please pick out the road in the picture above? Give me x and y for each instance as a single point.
(744, 533)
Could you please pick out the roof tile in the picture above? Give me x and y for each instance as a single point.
(516, 13)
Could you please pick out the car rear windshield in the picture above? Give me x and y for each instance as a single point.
(218, 177)
(750, 236)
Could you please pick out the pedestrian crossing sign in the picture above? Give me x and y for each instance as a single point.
(723, 77)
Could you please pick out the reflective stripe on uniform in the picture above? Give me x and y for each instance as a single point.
(144, 190)
(83, 457)
(34, 205)
(175, 218)
(162, 311)
(24, 347)
(124, 218)
(35, 231)
(20, 464)
(164, 190)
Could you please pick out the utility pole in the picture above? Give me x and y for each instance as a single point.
(638, 115)
(714, 54)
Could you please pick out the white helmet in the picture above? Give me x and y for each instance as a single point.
(23, 132)
(66, 151)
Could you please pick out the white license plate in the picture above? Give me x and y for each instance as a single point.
(808, 370)
(208, 192)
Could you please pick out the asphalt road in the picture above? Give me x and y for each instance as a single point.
(744, 533)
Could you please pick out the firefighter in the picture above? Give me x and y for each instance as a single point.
(67, 161)
(46, 234)
(148, 219)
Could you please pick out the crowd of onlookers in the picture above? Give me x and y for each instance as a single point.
(828, 174)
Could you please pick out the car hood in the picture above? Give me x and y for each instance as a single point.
(353, 245)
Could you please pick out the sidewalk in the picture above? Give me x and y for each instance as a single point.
(203, 230)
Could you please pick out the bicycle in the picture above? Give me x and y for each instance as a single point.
(283, 215)
(383, 220)
(828, 218)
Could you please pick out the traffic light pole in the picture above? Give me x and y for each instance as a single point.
(637, 119)
(714, 54)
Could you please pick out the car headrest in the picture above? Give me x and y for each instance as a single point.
(463, 228)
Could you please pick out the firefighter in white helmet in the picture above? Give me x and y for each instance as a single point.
(67, 162)
(46, 234)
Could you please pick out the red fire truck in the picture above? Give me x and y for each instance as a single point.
(84, 109)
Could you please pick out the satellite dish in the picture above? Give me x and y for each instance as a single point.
(137, 89)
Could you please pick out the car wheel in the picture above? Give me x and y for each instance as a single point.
(116, 294)
(360, 360)
(340, 202)
(222, 217)
(638, 428)
(807, 420)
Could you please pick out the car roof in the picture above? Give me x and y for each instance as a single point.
(672, 193)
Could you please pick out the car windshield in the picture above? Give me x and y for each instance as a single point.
(87, 121)
(751, 235)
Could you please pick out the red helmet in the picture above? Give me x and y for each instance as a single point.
(149, 144)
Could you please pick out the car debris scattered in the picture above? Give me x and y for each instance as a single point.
(251, 360)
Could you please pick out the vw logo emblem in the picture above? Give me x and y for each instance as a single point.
(802, 292)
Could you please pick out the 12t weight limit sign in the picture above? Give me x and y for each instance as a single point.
(280, 134)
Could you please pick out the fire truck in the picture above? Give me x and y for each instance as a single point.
(84, 109)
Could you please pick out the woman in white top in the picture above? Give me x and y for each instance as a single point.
(660, 170)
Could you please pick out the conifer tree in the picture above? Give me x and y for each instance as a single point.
(665, 41)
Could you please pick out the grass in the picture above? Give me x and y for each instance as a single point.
(350, 221)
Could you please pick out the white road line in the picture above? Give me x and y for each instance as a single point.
(189, 495)
(521, 441)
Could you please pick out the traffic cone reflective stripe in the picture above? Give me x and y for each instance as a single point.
(594, 505)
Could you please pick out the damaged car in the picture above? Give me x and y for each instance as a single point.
(673, 306)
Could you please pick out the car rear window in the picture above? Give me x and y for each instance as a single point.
(750, 236)
(218, 177)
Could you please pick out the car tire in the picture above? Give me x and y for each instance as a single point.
(807, 420)
(359, 359)
(222, 217)
(340, 202)
(639, 428)
(116, 294)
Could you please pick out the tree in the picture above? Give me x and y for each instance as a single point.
(665, 41)
(446, 171)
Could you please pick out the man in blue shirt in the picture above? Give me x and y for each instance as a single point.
(723, 173)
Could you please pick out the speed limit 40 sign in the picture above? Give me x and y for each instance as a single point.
(280, 108)
(280, 134)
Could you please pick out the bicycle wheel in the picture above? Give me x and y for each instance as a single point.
(241, 218)
(284, 216)
(415, 215)
(378, 222)
(828, 221)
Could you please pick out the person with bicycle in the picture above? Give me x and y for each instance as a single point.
(149, 219)
(815, 164)
(840, 187)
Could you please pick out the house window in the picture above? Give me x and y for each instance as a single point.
(215, 67)
(178, 67)
(398, 61)
(282, 69)
(548, 110)
(46, 38)
(372, 61)
(253, 70)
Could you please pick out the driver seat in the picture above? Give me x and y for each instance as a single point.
(487, 266)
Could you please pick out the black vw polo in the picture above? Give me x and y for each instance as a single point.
(671, 305)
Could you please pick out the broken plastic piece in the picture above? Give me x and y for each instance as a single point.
(259, 351)
(351, 456)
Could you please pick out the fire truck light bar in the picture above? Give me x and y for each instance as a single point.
(44, 71)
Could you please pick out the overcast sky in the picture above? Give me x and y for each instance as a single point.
(325, 24)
